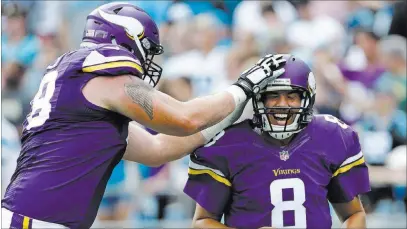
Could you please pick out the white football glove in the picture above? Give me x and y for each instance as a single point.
(263, 72)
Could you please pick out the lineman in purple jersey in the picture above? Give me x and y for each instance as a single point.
(78, 128)
(282, 168)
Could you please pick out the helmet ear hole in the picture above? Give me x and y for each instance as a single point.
(116, 11)
(127, 47)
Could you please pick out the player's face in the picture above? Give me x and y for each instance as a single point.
(286, 99)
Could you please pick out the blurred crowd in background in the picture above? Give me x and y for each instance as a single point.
(357, 50)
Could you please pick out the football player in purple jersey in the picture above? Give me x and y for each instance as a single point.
(282, 168)
(78, 127)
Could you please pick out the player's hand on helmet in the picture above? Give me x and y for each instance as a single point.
(263, 72)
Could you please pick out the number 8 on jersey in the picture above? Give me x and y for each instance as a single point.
(41, 105)
(295, 205)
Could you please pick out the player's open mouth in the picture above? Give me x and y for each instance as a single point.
(281, 117)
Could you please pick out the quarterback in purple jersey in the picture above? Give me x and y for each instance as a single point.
(78, 128)
(282, 168)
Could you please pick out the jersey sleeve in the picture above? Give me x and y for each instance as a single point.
(111, 60)
(350, 175)
(208, 183)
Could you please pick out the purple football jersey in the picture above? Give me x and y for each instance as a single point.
(69, 145)
(255, 183)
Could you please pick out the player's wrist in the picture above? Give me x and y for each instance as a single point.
(238, 93)
(211, 132)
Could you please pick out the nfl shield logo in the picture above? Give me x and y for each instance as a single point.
(284, 155)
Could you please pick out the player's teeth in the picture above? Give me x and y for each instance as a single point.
(281, 115)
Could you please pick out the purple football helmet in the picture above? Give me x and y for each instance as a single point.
(297, 77)
(131, 27)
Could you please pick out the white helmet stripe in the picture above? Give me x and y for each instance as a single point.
(131, 25)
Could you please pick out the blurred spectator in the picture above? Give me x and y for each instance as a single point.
(22, 47)
(373, 15)
(375, 134)
(47, 17)
(399, 22)
(336, 9)
(183, 206)
(362, 63)
(378, 127)
(205, 65)
(214, 7)
(270, 19)
(115, 205)
(236, 61)
(10, 150)
(383, 125)
(388, 196)
(155, 192)
(241, 57)
(49, 51)
(361, 68)
(155, 185)
(331, 83)
(247, 13)
(71, 28)
(396, 162)
(20, 50)
(275, 29)
(156, 9)
(393, 53)
(310, 32)
(175, 31)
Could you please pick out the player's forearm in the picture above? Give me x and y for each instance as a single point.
(209, 110)
(355, 221)
(208, 223)
(155, 150)
(171, 148)
(187, 118)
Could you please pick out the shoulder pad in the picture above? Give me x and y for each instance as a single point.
(111, 60)
(232, 135)
(330, 123)
(343, 139)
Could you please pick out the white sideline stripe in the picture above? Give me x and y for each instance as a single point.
(352, 159)
(95, 58)
(193, 165)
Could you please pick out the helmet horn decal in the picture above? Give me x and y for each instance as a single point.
(132, 26)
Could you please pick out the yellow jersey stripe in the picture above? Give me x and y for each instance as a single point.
(26, 222)
(346, 168)
(210, 173)
(113, 65)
